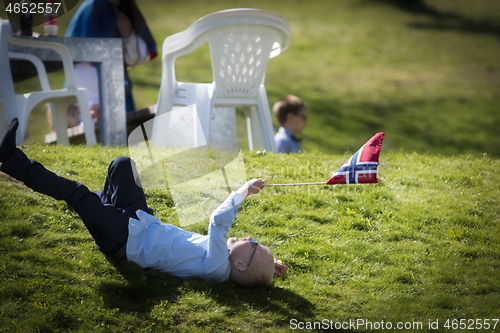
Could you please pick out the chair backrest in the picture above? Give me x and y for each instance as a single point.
(241, 43)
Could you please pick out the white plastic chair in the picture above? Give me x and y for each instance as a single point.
(21, 105)
(241, 42)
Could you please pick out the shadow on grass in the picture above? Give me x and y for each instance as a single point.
(285, 303)
(147, 288)
(445, 20)
(143, 290)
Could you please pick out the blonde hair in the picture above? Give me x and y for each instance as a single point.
(259, 274)
(286, 105)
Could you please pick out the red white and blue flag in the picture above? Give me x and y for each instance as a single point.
(361, 168)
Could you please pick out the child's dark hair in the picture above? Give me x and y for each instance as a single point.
(288, 104)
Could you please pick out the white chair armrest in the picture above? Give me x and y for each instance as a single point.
(37, 62)
(62, 50)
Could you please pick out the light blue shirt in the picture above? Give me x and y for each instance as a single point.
(285, 141)
(181, 253)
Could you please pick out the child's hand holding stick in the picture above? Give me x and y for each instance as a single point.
(252, 187)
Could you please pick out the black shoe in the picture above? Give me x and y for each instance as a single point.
(8, 145)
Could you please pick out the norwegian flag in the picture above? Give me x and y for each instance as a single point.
(362, 166)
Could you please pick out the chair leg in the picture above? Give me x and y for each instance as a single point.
(202, 111)
(248, 120)
(259, 129)
(88, 124)
(22, 115)
(3, 119)
(265, 121)
(255, 139)
(61, 121)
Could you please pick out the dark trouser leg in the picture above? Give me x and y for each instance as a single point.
(107, 224)
(41, 180)
(122, 189)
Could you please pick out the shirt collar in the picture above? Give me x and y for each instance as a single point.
(290, 135)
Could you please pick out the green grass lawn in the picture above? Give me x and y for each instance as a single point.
(422, 245)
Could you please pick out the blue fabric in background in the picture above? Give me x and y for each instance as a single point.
(96, 18)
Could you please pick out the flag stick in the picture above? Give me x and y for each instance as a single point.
(293, 184)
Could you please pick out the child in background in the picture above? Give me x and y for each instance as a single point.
(123, 226)
(72, 116)
(291, 112)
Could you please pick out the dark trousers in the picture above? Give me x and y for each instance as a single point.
(105, 214)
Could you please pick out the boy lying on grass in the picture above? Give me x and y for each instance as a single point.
(123, 226)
